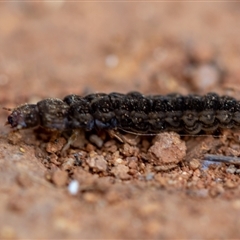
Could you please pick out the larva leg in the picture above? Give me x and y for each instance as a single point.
(115, 134)
(131, 139)
(71, 140)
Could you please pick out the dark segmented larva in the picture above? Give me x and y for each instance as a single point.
(132, 112)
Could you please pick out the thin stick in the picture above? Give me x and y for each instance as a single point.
(223, 159)
(182, 135)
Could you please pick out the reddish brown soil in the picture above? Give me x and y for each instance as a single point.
(147, 187)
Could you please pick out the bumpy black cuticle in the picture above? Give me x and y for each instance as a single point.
(132, 112)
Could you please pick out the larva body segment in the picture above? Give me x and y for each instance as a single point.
(24, 116)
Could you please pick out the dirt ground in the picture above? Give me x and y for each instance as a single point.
(151, 187)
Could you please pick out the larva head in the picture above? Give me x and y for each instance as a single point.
(24, 116)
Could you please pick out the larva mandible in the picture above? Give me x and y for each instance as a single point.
(132, 112)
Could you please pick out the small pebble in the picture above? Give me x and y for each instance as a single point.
(231, 169)
(95, 139)
(121, 171)
(68, 164)
(22, 150)
(97, 162)
(132, 162)
(119, 160)
(60, 178)
(129, 150)
(53, 158)
(194, 164)
(55, 146)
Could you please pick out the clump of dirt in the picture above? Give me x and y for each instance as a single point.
(166, 158)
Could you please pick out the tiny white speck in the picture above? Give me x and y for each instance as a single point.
(111, 60)
(73, 187)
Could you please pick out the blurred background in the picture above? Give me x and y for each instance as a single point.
(53, 48)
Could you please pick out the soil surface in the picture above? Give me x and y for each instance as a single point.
(165, 186)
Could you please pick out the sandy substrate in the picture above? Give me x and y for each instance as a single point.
(148, 186)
